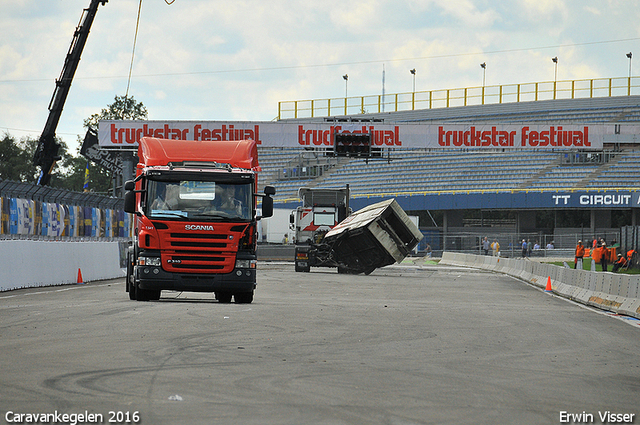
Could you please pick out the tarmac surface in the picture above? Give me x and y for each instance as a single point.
(408, 344)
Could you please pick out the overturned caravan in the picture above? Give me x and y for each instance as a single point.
(375, 236)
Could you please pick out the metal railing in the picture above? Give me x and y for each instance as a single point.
(446, 98)
(13, 189)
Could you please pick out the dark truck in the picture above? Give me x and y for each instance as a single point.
(329, 235)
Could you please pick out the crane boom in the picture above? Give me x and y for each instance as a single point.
(46, 153)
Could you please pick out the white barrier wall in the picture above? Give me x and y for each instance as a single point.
(619, 293)
(29, 263)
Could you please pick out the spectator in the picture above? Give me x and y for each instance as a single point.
(496, 248)
(537, 246)
(485, 245)
(524, 248)
(550, 245)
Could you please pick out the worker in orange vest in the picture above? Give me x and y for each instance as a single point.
(579, 254)
(604, 256)
(619, 264)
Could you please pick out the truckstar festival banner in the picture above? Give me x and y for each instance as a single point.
(126, 134)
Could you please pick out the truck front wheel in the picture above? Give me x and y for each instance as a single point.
(223, 297)
(145, 294)
(244, 297)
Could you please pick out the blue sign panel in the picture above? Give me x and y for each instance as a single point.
(512, 201)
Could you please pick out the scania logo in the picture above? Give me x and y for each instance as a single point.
(197, 227)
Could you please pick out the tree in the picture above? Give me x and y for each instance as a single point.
(122, 108)
(15, 159)
(100, 179)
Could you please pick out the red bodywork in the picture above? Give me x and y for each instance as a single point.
(158, 152)
(207, 251)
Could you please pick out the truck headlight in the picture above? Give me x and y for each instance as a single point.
(149, 261)
(246, 264)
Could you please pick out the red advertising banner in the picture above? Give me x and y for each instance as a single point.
(114, 134)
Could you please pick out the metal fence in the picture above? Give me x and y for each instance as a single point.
(11, 189)
(30, 211)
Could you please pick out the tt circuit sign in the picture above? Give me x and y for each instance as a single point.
(116, 135)
(591, 200)
(516, 200)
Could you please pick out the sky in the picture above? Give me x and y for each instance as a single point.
(235, 60)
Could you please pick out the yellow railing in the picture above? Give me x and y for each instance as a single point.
(446, 98)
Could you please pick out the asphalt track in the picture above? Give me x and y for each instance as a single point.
(404, 345)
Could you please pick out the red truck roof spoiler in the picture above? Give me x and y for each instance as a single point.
(238, 153)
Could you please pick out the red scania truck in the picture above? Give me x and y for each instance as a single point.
(195, 206)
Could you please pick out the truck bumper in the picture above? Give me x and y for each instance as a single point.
(154, 278)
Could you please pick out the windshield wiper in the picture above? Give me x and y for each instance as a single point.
(180, 214)
(214, 215)
(223, 216)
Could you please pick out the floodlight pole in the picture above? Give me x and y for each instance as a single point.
(555, 76)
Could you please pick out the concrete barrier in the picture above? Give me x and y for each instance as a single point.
(269, 252)
(33, 263)
(619, 293)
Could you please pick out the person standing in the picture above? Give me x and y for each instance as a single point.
(485, 245)
(524, 248)
(604, 256)
(579, 255)
(496, 248)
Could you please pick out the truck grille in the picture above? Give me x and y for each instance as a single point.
(198, 253)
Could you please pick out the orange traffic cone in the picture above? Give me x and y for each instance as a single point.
(548, 288)
(79, 277)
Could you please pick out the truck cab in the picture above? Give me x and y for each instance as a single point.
(195, 206)
(321, 211)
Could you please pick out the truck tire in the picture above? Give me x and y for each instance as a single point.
(132, 292)
(130, 285)
(146, 294)
(223, 297)
(244, 297)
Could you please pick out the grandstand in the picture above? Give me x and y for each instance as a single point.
(402, 171)
(426, 172)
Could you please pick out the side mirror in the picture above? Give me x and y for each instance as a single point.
(267, 207)
(129, 185)
(130, 201)
(269, 190)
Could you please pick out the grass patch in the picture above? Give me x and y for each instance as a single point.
(586, 265)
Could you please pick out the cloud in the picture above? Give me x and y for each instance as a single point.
(215, 59)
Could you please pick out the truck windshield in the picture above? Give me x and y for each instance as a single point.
(201, 200)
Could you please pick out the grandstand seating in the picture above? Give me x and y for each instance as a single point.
(469, 170)
(429, 171)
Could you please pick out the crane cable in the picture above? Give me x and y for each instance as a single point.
(133, 51)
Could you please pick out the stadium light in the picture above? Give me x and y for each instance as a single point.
(346, 80)
(555, 75)
(629, 55)
(413, 72)
(483, 65)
